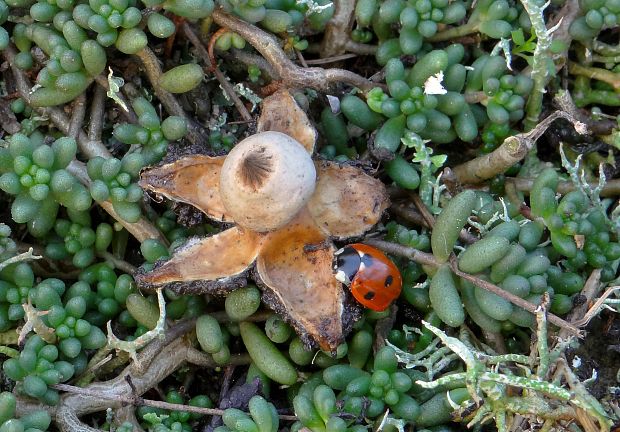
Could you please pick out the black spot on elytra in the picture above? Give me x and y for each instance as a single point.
(389, 280)
(369, 295)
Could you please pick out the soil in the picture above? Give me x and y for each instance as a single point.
(600, 352)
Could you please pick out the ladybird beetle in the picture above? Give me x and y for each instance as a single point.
(371, 276)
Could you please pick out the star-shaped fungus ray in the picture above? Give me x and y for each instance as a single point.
(193, 180)
(280, 113)
(293, 267)
(217, 257)
(346, 202)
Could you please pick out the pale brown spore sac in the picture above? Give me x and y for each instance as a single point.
(266, 180)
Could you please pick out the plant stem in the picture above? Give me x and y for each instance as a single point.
(77, 116)
(611, 188)
(542, 344)
(540, 62)
(248, 59)
(129, 114)
(338, 28)
(292, 75)
(138, 401)
(408, 252)
(9, 352)
(360, 48)
(429, 220)
(606, 59)
(141, 230)
(157, 361)
(518, 301)
(117, 262)
(153, 72)
(455, 32)
(561, 22)
(195, 132)
(597, 97)
(90, 149)
(97, 113)
(604, 75)
(605, 49)
(9, 337)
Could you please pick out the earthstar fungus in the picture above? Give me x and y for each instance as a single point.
(286, 209)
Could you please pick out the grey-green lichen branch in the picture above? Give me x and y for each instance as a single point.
(131, 347)
(26, 256)
(489, 377)
(36, 324)
(578, 177)
(542, 65)
(432, 359)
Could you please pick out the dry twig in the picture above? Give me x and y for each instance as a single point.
(77, 115)
(208, 58)
(338, 28)
(428, 259)
(513, 149)
(292, 75)
(97, 114)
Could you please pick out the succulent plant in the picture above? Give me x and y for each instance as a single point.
(470, 144)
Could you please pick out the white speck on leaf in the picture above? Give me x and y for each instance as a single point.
(433, 85)
(115, 84)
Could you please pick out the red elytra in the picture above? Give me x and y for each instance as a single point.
(374, 280)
